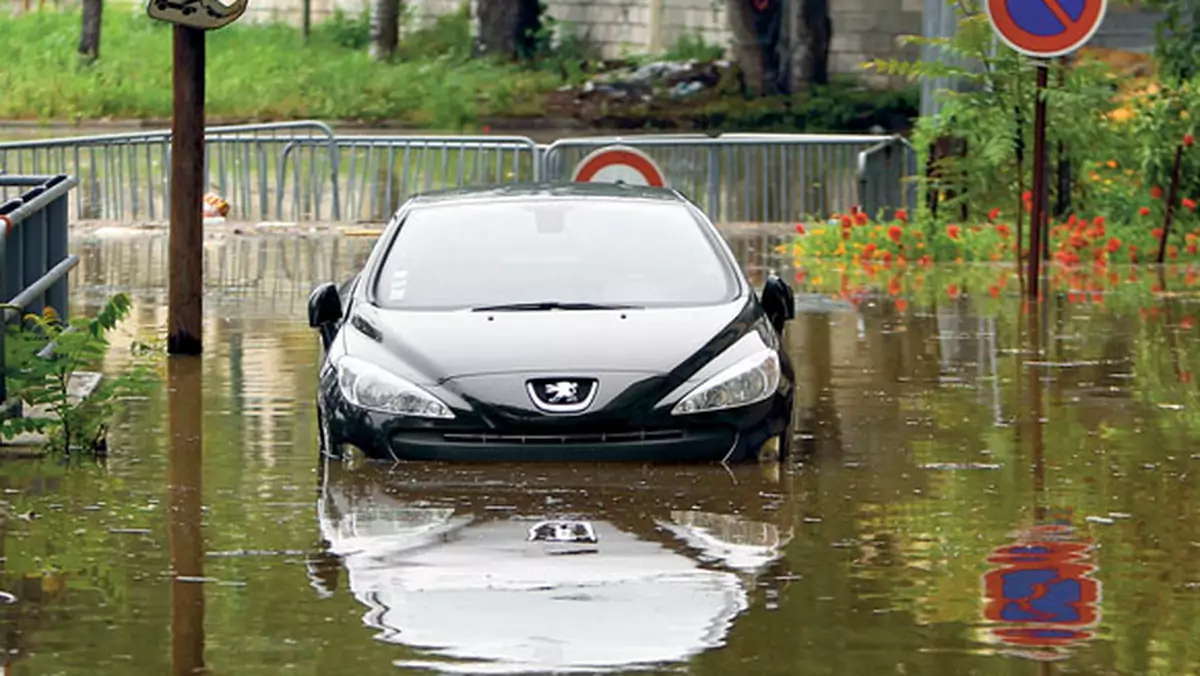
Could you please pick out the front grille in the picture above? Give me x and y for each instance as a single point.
(564, 439)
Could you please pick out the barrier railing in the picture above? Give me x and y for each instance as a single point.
(33, 252)
(380, 172)
(303, 172)
(126, 177)
(746, 177)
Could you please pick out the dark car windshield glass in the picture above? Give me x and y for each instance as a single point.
(602, 252)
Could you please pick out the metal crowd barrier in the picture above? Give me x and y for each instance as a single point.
(126, 177)
(302, 172)
(746, 177)
(33, 251)
(380, 172)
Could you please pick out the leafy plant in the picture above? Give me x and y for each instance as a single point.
(43, 355)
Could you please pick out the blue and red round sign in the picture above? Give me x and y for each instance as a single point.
(1046, 28)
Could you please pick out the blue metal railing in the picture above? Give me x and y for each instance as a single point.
(34, 261)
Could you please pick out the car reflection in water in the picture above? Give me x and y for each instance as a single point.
(444, 561)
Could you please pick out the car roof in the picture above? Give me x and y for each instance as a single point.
(546, 190)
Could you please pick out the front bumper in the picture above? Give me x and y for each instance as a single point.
(730, 436)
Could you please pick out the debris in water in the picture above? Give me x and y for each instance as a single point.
(1171, 407)
(259, 552)
(1100, 519)
(189, 578)
(1120, 515)
(8, 598)
(959, 465)
(130, 531)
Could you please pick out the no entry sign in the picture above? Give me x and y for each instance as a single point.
(619, 164)
(1046, 28)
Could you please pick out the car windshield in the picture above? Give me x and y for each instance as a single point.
(566, 253)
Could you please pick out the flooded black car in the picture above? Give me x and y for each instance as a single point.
(554, 322)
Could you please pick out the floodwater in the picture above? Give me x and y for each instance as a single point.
(980, 491)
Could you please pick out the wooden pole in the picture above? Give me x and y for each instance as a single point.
(306, 19)
(1039, 181)
(185, 297)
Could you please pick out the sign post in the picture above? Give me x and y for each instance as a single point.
(186, 288)
(1043, 29)
(619, 164)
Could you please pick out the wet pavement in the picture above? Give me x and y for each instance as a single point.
(980, 491)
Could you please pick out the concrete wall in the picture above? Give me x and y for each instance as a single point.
(862, 29)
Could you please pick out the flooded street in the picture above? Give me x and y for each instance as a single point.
(979, 491)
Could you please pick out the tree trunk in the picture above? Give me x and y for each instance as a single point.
(756, 26)
(813, 31)
(89, 37)
(508, 28)
(385, 28)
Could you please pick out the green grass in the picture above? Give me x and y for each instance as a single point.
(259, 71)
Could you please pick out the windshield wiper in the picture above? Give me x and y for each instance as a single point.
(549, 305)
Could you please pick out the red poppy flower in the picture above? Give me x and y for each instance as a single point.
(860, 218)
(799, 228)
(952, 231)
(895, 233)
(847, 221)
(994, 214)
(1189, 204)
(1145, 211)
(1003, 230)
(1156, 192)
(901, 305)
(1188, 140)
(902, 215)
(952, 290)
(1156, 233)
(1114, 245)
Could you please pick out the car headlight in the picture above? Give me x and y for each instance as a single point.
(371, 387)
(749, 381)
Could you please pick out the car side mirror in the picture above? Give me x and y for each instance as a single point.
(778, 302)
(324, 306)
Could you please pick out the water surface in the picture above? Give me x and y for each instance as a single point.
(951, 445)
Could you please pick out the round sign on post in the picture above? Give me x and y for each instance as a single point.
(619, 164)
(1045, 28)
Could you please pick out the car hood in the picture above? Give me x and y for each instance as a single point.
(435, 347)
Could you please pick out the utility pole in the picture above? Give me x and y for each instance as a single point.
(186, 286)
(186, 289)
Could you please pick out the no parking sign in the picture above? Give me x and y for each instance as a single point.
(1046, 28)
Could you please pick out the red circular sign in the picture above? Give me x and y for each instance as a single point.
(1045, 28)
(619, 164)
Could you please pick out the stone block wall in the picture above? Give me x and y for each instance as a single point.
(862, 29)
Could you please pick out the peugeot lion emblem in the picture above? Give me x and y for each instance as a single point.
(563, 391)
(562, 395)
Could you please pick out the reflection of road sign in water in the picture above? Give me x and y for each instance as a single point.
(1046, 28)
(619, 164)
(1043, 592)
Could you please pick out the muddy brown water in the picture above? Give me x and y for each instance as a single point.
(979, 492)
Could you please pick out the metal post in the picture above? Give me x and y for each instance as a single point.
(33, 251)
(4, 227)
(1039, 180)
(185, 297)
(56, 250)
